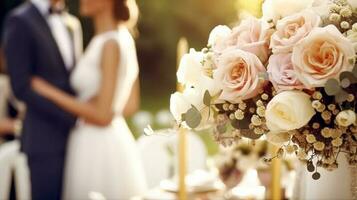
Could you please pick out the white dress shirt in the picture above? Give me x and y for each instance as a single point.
(4, 95)
(59, 31)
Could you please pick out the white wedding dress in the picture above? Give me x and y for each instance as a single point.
(104, 160)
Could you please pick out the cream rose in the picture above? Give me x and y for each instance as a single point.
(217, 34)
(282, 74)
(291, 29)
(289, 110)
(322, 55)
(346, 118)
(237, 74)
(251, 35)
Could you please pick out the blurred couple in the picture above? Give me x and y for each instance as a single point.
(43, 52)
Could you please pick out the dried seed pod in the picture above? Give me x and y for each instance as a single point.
(316, 175)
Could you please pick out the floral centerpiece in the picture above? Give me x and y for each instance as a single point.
(290, 77)
(235, 160)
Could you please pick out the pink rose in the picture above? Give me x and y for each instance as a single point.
(290, 30)
(237, 74)
(251, 35)
(282, 74)
(322, 55)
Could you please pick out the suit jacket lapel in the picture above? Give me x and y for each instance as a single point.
(46, 29)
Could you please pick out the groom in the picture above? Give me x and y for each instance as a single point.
(41, 39)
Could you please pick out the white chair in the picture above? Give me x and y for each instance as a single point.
(158, 163)
(11, 159)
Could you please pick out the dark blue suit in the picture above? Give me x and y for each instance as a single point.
(30, 50)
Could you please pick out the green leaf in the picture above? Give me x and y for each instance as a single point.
(183, 117)
(193, 117)
(345, 83)
(352, 60)
(332, 87)
(341, 96)
(348, 75)
(354, 70)
(207, 98)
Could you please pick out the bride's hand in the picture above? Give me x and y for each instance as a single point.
(93, 101)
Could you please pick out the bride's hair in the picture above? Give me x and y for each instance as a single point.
(121, 10)
(127, 11)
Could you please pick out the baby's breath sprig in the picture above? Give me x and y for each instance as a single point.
(342, 15)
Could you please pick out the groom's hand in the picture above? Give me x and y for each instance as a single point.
(7, 126)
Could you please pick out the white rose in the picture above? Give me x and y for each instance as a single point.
(209, 84)
(218, 33)
(346, 118)
(192, 73)
(277, 9)
(289, 110)
(190, 68)
(180, 103)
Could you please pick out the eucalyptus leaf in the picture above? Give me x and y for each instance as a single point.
(183, 116)
(332, 87)
(263, 76)
(207, 98)
(349, 75)
(193, 117)
(250, 134)
(345, 83)
(341, 96)
(352, 60)
(354, 70)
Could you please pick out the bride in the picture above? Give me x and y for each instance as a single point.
(102, 157)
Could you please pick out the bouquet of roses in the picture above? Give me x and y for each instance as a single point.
(290, 76)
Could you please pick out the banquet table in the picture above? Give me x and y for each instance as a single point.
(159, 194)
